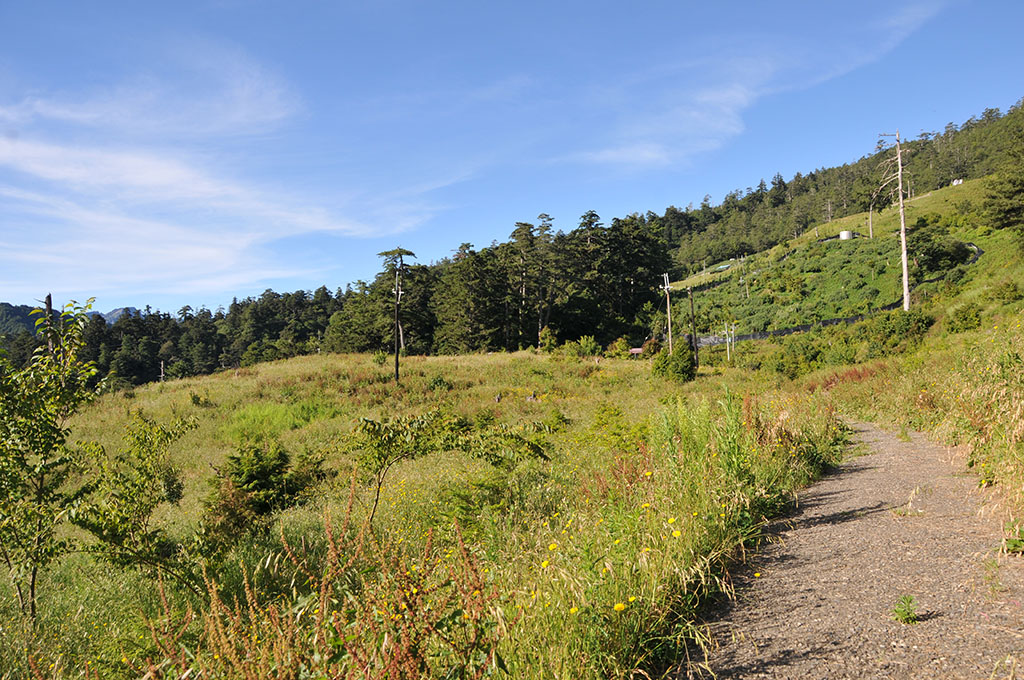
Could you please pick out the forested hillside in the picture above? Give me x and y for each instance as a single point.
(598, 280)
(752, 220)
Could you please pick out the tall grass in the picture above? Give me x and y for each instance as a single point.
(592, 564)
(965, 389)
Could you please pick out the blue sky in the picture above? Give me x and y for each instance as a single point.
(191, 152)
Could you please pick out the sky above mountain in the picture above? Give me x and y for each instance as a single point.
(191, 152)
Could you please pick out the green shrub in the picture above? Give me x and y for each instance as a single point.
(966, 317)
(259, 470)
(547, 341)
(1005, 292)
(893, 332)
(571, 348)
(258, 480)
(439, 384)
(589, 347)
(618, 349)
(651, 347)
(905, 610)
(678, 365)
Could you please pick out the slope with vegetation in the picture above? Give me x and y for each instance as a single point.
(534, 513)
(594, 280)
(809, 280)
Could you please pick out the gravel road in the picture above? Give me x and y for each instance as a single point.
(904, 519)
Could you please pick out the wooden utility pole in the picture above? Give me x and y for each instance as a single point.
(693, 330)
(668, 307)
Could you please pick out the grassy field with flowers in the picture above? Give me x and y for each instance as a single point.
(532, 516)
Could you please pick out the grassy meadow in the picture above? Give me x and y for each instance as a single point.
(583, 513)
(526, 514)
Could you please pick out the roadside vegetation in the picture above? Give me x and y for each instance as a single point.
(530, 512)
(561, 511)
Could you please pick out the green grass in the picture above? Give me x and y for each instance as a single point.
(804, 281)
(591, 563)
(650, 492)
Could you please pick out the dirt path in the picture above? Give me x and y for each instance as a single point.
(903, 520)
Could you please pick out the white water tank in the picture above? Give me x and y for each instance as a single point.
(845, 235)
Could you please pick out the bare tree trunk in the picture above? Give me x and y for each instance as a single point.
(903, 225)
(398, 292)
(49, 321)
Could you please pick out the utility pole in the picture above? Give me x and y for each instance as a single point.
(693, 330)
(903, 218)
(668, 306)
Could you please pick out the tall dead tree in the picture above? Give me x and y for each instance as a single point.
(394, 258)
(894, 173)
(668, 305)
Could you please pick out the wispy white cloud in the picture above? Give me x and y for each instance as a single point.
(104, 251)
(697, 105)
(144, 179)
(680, 124)
(827, 55)
(205, 89)
(125, 172)
(152, 203)
(642, 154)
(906, 20)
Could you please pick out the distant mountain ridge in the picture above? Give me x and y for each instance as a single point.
(115, 314)
(17, 318)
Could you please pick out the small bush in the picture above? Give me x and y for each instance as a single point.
(678, 365)
(618, 349)
(380, 357)
(893, 332)
(966, 317)
(1005, 292)
(589, 347)
(651, 347)
(439, 384)
(547, 342)
(258, 480)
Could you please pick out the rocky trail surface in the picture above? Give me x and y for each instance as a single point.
(903, 519)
